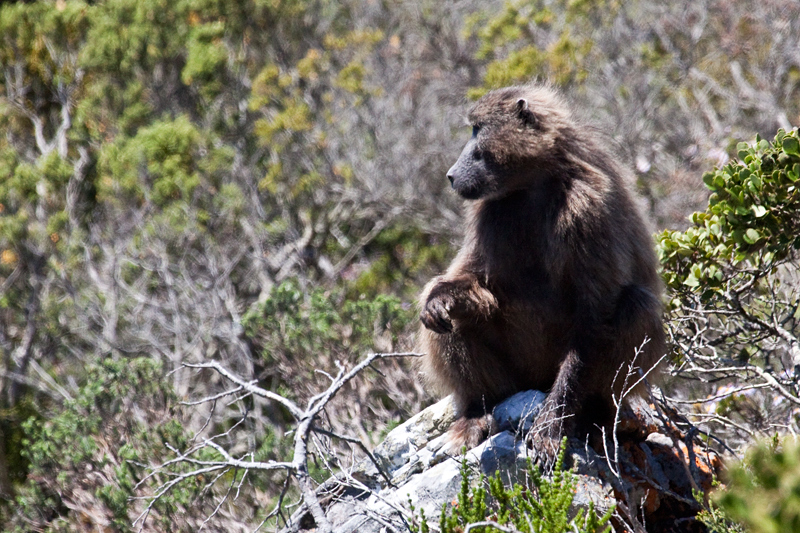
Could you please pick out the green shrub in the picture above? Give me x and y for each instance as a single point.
(734, 307)
(752, 220)
(295, 326)
(95, 449)
(541, 506)
(715, 518)
(763, 492)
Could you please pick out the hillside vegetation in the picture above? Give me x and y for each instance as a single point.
(262, 184)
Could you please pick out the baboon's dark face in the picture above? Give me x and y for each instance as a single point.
(513, 135)
(476, 174)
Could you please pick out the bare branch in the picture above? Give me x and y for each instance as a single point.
(297, 468)
(250, 387)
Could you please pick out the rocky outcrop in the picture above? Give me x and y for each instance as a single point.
(659, 460)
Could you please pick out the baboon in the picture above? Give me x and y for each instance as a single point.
(555, 287)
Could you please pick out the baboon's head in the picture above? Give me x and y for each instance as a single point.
(515, 133)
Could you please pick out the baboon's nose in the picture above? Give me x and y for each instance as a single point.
(450, 177)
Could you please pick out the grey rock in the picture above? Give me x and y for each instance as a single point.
(430, 489)
(403, 442)
(659, 439)
(505, 453)
(518, 412)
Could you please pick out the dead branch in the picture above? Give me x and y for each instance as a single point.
(297, 468)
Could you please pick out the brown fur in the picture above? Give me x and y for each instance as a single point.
(555, 286)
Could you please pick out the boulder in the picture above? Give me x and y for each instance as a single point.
(659, 460)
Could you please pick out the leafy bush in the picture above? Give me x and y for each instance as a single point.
(92, 454)
(734, 290)
(763, 492)
(541, 506)
(715, 518)
(293, 325)
(752, 221)
(297, 334)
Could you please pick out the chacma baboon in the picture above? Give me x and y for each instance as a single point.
(555, 287)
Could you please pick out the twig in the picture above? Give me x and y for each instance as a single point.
(363, 448)
(250, 387)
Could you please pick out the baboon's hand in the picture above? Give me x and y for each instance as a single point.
(435, 314)
(451, 300)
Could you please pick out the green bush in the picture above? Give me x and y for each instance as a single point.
(763, 492)
(752, 220)
(296, 325)
(714, 517)
(734, 307)
(299, 334)
(94, 451)
(541, 506)
(733, 316)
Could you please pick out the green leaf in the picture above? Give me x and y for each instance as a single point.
(691, 281)
(759, 210)
(791, 146)
(794, 174)
(751, 236)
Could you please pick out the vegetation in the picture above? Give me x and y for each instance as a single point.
(539, 505)
(734, 307)
(763, 489)
(733, 319)
(715, 518)
(260, 184)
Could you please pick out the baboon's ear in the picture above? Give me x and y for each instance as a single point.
(524, 112)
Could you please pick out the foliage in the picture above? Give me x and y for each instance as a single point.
(716, 519)
(541, 505)
(94, 450)
(734, 289)
(763, 490)
(515, 41)
(751, 224)
(299, 331)
(292, 325)
(179, 180)
(401, 255)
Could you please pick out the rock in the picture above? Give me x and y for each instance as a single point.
(404, 441)
(517, 412)
(657, 464)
